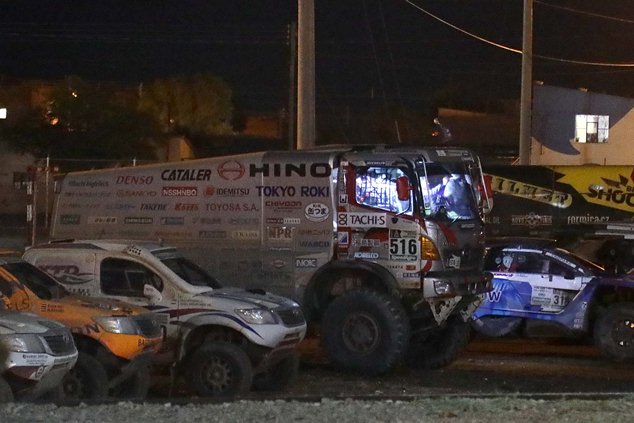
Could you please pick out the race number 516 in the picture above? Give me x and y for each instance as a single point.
(403, 246)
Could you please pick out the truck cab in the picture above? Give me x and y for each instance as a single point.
(248, 337)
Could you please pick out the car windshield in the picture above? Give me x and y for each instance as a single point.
(447, 191)
(591, 266)
(189, 271)
(43, 285)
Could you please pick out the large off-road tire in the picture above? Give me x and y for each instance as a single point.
(496, 326)
(279, 376)
(439, 347)
(6, 394)
(135, 387)
(614, 332)
(365, 331)
(87, 380)
(219, 369)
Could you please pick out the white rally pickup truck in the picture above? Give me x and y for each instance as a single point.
(222, 340)
(35, 355)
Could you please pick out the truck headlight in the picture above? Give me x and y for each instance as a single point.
(24, 343)
(122, 325)
(256, 316)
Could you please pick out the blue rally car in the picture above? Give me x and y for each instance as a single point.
(534, 280)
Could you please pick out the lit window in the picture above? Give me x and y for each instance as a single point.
(592, 128)
(3, 112)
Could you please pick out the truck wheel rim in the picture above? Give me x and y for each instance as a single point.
(361, 333)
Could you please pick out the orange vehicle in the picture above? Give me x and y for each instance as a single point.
(116, 341)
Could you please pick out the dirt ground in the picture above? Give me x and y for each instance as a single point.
(509, 366)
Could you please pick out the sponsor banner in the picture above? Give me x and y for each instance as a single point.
(366, 255)
(135, 193)
(172, 220)
(98, 194)
(97, 183)
(278, 264)
(186, 174)
(283, 206)
(212, 234)
(305, 191)
(279, 234)
(362, 220)
(231, 170)
(138, 220)
(120, 207)
(134, 180)
(154, 206)
(226, 192)
(343, 238)
(313, 232)
(208, 220)
(314, 244)
(186, 207)
(245, 235)
(231, 207)
(531, 220)
(69, 219)
(587, 219)
(306, 263)
(316, 212)
(243, 221)
(181, 191)
(102, 220)
(315, 170)
(530, 192)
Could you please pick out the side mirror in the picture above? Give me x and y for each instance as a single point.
(402, 188)
(152, 294)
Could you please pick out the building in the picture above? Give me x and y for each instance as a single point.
(575, 126)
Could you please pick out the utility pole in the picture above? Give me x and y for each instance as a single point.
(526, 101)
(305, 74)
(292, 90)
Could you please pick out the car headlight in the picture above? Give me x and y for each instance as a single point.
(256, 316)
(122, 325)
(24, 343)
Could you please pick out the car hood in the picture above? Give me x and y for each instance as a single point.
(14, 322)
(254, 298)
(102, 306)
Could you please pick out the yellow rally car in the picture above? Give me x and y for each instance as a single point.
(116, 341)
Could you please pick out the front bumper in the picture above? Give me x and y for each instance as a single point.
(31, 375)
(447, 284)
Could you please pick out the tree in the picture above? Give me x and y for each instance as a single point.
(190, 105)
(76, 119)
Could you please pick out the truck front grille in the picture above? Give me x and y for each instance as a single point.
(60, 342)
(291, 316)
(148, 326)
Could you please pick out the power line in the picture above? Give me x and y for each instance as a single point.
(514, 50)
(583, 12)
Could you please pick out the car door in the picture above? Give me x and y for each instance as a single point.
(553, 282)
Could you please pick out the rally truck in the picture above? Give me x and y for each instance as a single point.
(382, 245)
(588, 209)
(35, 355)
(221, 340)
(116, 341)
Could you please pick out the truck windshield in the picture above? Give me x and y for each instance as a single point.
(447, 191)
(190, 272)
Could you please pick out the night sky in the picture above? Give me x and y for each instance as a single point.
(365, 49)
